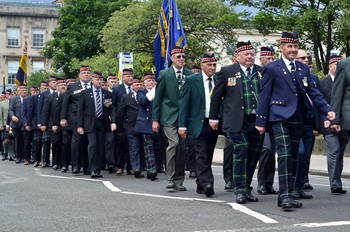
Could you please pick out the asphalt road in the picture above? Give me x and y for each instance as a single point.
(37, 199)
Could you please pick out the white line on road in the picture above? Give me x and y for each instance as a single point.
(325, 224)
(71, 178)
(252, 213)
(177, 198)
(111, 187)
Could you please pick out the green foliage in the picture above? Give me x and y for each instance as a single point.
(36, 78)
(133, 28)
(77, 35)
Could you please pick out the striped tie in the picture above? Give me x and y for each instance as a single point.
(98, 104)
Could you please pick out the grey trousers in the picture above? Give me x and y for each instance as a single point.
(335, 147)
(175, 156)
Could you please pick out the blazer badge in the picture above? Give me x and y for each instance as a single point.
(305, 81)
(107, 102)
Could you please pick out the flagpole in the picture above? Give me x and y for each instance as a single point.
(168, 34)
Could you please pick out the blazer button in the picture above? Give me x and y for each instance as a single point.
(147, 117)
(242, 107)
(147, 109)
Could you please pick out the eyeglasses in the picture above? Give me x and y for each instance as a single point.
(181, 56)
(303, 57)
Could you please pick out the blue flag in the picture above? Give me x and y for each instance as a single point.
(170, 33)
(22, 69)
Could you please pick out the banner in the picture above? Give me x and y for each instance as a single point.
(21, 78)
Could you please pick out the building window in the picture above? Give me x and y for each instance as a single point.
(12, 71)
(38, 65)
(38, 37)
(13, 36)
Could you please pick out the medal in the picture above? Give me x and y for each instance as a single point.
(305, 82)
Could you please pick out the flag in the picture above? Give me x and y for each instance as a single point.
(170, 33)
(21, 77)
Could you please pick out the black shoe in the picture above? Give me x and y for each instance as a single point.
(138, 174)
(180, 187)
(11, 159)
(4, 157)
(271, 190)
(63, 169)
(209, 190)
(261, 190)
(308, 186)
(75, 171)
(98, 175)
(229, 186)
(200, 190)
(251, 198)
(192, 175)
(295, 204)
(18, 161)
(152, 176)
(36, 164)
(286, 204)
(338, 190)
(170, 185)
(301, 194)
(44, 164)
(241, 198)
(93, 175)
(56, 167)
(110, 168)
(161, 170)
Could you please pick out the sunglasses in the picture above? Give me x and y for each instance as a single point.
(304, 57)
(181, 56)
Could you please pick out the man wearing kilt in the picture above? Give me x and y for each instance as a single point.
(239, 84)
(286, 93)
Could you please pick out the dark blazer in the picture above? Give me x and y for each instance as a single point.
(24, 110)
(40, 105)
(192, 107)
(117, 94)
(278, 98)
(86, 114)
(31, 113)
(127, 114)
(52, 107)
(15, 109)
(166, 100)
(144, 117)
(341, 94)
(233, 102)
(70, 103)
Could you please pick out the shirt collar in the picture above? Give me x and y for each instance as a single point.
(287, 62)
(176, 70)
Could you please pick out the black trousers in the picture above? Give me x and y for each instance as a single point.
(96, 147)
(28, 139)
(204, 147)
(37, 145)
(110, 147)
(56, 141)
(267, 162)
(228, 160)
(79, 151)
(19, 143)
(122, 152)
(66, 147)
(190, 155)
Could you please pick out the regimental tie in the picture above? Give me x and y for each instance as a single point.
(210, 85)
(98, 104)
(249, 72)
(179, 79)
(292, 69)
(85, 86)
(129, 89)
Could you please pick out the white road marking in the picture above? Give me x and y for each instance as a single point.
(111, 187)
(324, 224)
(171, 197)
(70, 178)
(252, 213)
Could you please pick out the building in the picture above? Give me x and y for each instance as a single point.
(22, 22)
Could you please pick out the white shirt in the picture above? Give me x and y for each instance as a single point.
(287, 62)
(244, 69)
(207, 92)
(176, 70)
(127, 88)
(87, 85)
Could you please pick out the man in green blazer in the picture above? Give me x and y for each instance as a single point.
(165, 112)
(194, 121)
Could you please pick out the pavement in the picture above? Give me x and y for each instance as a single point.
(318, 164)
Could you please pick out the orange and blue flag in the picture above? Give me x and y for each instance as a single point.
(170, 33)
(21, 78)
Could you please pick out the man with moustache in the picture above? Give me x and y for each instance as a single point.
(239, 85)
(69, 114)
(166, 113)
(284, 98)
(194, 121)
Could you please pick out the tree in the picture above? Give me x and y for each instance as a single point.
(77, 36)
(205, 23)
(36, 78)
(313, 19)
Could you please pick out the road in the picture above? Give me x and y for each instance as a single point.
(37, 199)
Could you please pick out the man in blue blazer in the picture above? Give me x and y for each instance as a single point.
(194, 121)
(286, 91)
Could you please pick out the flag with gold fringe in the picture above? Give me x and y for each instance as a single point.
(21, 78)
(170, 33)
